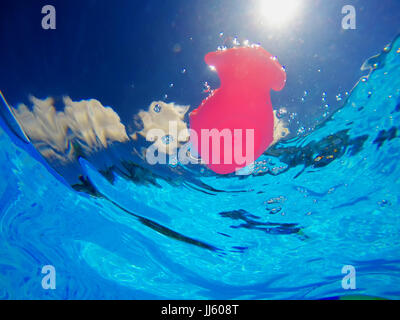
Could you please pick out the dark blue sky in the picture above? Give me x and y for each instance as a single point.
(126, 53)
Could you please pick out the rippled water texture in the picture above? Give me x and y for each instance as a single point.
(314, 204)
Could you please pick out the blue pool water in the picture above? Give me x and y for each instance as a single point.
(314, 204)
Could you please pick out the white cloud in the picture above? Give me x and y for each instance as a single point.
(163, 124)
(280, 129)
(86, 122)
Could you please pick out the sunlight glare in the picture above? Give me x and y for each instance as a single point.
(278, 12)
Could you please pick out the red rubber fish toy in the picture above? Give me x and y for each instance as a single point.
(234, 125)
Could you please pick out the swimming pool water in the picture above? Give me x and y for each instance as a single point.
(314, 204)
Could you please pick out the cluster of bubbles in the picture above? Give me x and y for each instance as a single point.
(267, 166)
(157, 108)
(325, 106)
(292, 115)
(305, 94)
(207, 87)
(222, 48)
(234, 42)
(170, 86)
(301, 130)
(259, 167)
(323, 97)
(274, 205)
(281, 113)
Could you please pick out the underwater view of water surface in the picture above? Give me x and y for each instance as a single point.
(86, 214)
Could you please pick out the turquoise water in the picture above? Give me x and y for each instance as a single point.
(314, 204)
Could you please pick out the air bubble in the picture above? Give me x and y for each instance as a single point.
(301, 130)
(157, 108)
(207, 87)
(384, 203)
(167, 139)
(281, 113)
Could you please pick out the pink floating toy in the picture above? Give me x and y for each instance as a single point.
(234, 125)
